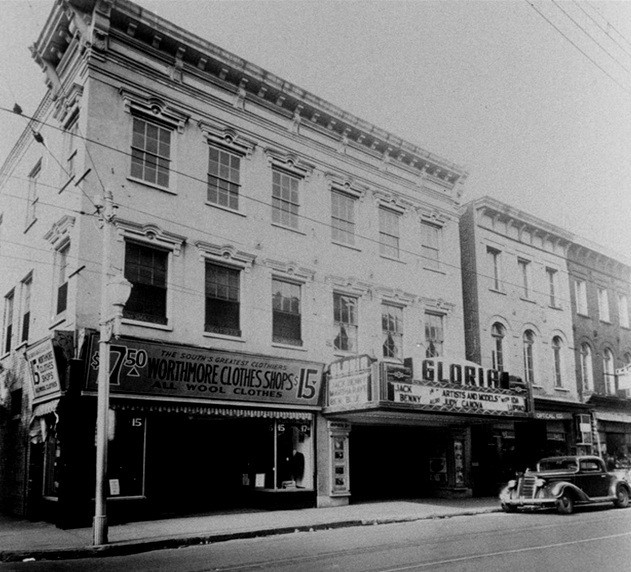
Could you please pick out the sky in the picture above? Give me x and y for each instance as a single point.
(532, 97)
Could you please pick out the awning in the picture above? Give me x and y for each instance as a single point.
(42, 409)
(613, 416)
(195, 409)
(40, 425)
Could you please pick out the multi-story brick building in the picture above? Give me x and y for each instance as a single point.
(268, 235)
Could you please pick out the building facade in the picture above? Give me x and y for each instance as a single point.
(519, 319)
(269, 237)
(599, 288)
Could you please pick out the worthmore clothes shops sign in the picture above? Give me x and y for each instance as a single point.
(145, 368)
(45, 383)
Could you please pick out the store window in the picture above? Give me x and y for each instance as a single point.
(126, 455)
(222, 300)
(431, 239)
(524, 272)
(345, 322)
(494, 257)
(146, 268)
(286, 312)
(498, 333)
(389, 233)
(343, 218)
(223, 178)
(392, 331)
(150, 152)
(609, 373)
(580, 289)
(52, 465)
(603, 305)
(587, 371)
(8, 321)
(285, 199)
(529, 361)
(434, 335)
(557, 346)
(623, 310)
(25, 309)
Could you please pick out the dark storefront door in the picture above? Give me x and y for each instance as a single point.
(393, 462)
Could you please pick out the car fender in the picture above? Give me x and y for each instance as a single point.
(615, 484)
(558, 488)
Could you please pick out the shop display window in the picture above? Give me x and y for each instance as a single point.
(52, 452)
(126, 456)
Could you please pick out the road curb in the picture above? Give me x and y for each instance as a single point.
(128, 547)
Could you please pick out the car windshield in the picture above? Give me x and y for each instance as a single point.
(557, 465)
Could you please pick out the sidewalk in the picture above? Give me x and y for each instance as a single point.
(21, 539)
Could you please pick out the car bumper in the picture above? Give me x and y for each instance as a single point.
(524, 502)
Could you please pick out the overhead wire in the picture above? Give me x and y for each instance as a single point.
(605, 31)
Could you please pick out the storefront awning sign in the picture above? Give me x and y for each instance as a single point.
(350, 381)
(624, 377)
(43, 368)
(144, 368)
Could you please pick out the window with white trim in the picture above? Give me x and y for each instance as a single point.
(623, 310)
(524, 271)
(8, 321)
(224, 169)
(529, 356)
(557, 348)
(343, 218)
(223, 303)
(31, 202)
(434, 335)
(603, 305)
(431, 235)
(609, 372)
(498, 332)
(286, 312)
(345, 322)
(150, 152)
(494, 257)
(285, 198)
(580, 289)
(25, 307)
(71, 147)
(389, 233)
(146, 268)
(392, 331)
(587, 367)
(551, 274)
(61, 264)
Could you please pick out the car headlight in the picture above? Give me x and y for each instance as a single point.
(512, 484)
(539, 483)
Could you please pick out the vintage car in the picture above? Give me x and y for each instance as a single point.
(563, 483)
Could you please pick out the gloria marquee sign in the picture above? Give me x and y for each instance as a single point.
(144, 368)
(454, 387)
(44, 375)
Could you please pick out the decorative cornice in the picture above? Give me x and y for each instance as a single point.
(224, 253)
(227, 137)
(153, 107)
(291, 269)
(396, 295)
(60, 231)
(289, 162)
(149, 233)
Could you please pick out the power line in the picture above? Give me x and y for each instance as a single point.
(591, 5)
(606, 32)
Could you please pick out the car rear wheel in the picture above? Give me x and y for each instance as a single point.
(565, 504)
(622, 497)
(509, 507)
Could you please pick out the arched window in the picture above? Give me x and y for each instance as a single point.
(609, 372)
(529, 362)
(557, 344)
(587, 368)
(498, 332)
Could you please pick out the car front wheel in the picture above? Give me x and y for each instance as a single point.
(622, 498)
(565, 504)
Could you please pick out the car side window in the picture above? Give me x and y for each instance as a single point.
(589, 467)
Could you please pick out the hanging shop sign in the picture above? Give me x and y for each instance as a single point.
(45, 383)
(624, 377)
(350, 381)
(145, 368)
(453, 394)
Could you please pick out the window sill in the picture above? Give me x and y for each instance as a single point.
(277, 225)
(608, 322)
(558, 308)
(225, 209)
(529, 300)
(152, 185)
(20, 345)
(392, 259)
(582, 314)
(497, 291)
(349, 246)
(435, 270)
(562, 389)
(59, 319)
(223, 337)
(30, 225)
(289, 347)
(152, 325)
(536, 386)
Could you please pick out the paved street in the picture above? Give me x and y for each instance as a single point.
(592, 539)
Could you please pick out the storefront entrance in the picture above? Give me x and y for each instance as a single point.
(394, 462)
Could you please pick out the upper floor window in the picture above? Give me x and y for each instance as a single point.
(286, 312)
(223, 178)
(587, 371)
(71, 148)
(62, 277)
(603, 305)
(431, 238)
(609, 372)
(27, 284)
(31, 202)
(392, 330)
(150, 152)
(580, 289)
(494, 260)
(222, 300)
(345, 320)
(146, 268)
(529, 357)
(285, 198)
(8, 321)
(524, 271)
(497, 353)
(623, 310)
(557, 345)
(434, 335)
(551, 273)
(343, 218)
(389, 233)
